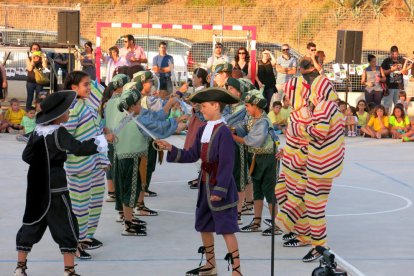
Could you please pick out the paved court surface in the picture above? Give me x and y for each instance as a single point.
(370, 221)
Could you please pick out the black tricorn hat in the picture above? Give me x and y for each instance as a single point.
(55, 106)
(214, 94)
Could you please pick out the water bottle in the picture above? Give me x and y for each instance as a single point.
(59, 76)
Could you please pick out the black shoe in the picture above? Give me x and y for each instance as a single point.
(91, 244)
(289, 236)
(252, 226)
(311, 256)
(149, 193)
(132, 230)
(194, 185)
(138, 221)
(295, 243)
(192, 182)
(82, 254)
(268, 222)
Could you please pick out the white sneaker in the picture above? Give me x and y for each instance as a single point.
(349, 133)
(353, 134)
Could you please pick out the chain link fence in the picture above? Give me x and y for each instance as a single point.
(274, 26)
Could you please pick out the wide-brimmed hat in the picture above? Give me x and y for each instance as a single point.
(130, 96)
(256, 97)
(55, 106)
(214, 94)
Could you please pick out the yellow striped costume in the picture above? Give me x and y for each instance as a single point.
(291, 185)
(325, 156)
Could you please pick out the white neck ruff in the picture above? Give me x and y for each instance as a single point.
(45, 130)
(208, 131)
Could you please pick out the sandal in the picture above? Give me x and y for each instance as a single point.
(131, 229)
(70, 271)
(81, 253)
(311, 256)
(230, 259)
(247, 208)
(202, 270)
(276, 231)
(150, 193)
(268, 222)
(142, 210)
(289, 236)
(295, 243)
(21, 269)
(252, 226)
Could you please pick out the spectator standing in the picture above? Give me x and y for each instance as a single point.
(371, 78)
(61, 61)
(286, 67)
(132, 53)
(163, 66)
(87, 60)
(392, 67)
(113, 61)
(217, 58)
(242, 62)
(265, 76)
(35, 60)
(309, 67)
(3, 82)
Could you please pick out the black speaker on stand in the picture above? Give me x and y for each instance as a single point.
(69, 31)
(348, 51)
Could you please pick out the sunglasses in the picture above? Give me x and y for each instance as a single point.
(242, 53)
(285, 50)
(126, 41)
(313, 50)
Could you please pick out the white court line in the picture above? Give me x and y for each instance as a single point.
(408, 202)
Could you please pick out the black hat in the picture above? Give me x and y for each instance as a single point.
(55, 106)
(214, 94)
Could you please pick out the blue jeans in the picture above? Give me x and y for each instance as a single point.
(392, 98)
(166, 84)
(31, 88)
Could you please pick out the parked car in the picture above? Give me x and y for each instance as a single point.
(201, 51)
(177, 48)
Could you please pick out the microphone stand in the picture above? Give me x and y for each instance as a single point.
(275, 140)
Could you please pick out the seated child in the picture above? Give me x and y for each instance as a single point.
(409, 135)
(28, 124)
(403, 100)
(362, 114)
(342, 106)
(14, 116)
(175, 111)
(399, 122)
(48, 204)
(286, 109)
(351, 121)
(275, 116)
(377, 126)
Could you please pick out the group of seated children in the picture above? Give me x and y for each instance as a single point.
(374, 122)
(18, 121)
(279, 115)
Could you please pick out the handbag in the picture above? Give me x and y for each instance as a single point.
(40, 77)
(385, 91)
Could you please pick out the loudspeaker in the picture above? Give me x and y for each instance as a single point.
(348, 47)
(69, 27)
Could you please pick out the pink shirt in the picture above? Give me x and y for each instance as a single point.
(138, 53)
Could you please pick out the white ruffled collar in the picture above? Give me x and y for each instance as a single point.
(42, 130)
(208, 130)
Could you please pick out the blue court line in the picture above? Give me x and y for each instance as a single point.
(385, 175)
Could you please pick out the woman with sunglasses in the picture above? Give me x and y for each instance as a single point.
(265, 77)
(242, 61)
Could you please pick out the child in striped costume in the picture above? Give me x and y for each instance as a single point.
(86, 175)
(325, 158)
(291, 185)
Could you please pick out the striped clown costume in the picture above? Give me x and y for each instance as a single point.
(326, 152)
(291, 185)
(86, 174)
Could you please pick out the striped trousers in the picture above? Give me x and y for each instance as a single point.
(86, 193)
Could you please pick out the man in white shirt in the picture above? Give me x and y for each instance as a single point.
(217, 58)
(286, 66)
